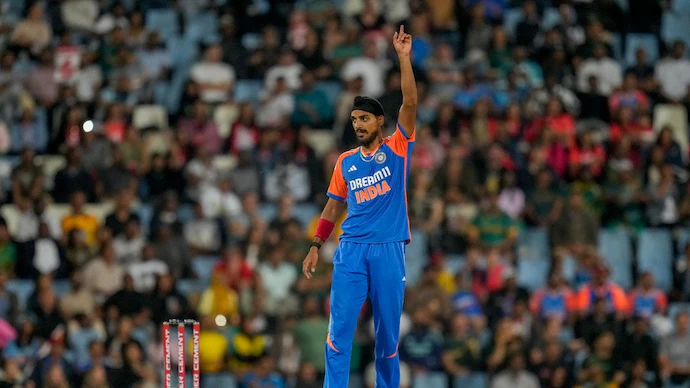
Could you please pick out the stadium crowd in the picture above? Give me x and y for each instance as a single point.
(168, 160)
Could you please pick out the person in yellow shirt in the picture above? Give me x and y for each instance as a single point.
(78, 219)
(213, 346)
(219, 299)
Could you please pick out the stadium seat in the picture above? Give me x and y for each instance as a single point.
(617, 45)
(655, 255)
(674, 26)
(680, 6)
(7, 164)
(682, 239)
(533, 243)
(267, 211)
(472, 380)
(677, 307)
(551, 18)
(201, 25)
(532, 273)
(305, 212)
(22, 289)
(248, 91)
(185, 213)
(217, 380)
(145, 213)
(569, 269)
(614, 246)
(147, 116)
(648, 42)
(332, 89)
(676, 116)
(61, 287)
(511, 18)
(164, 20)
(189, 287)
(184, 52)
(415, 257)
(203, 267)
(430, 380)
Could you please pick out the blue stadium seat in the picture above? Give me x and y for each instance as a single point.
(551, 18)
(188, 287)
(164, 20)
(680, 6)
(511, 18)
(15, 8)
(248, 91)
(22, 289)
(305, 212)
(217, 380)
(677, 307)
(267, 211)
(185, 213)
(184, 51)
(655, 254)
(614, 246)
(472, 380)
(569, 269)
(332, 90)
(203, 267)
(617, 45)
(430, 380)
(532, 273)
(415, 256)
(145, 213)
(455, 263)
(674, 26)
(648, 42)
(682, 239)
(533, 243)
(61, 287)
(201, 26)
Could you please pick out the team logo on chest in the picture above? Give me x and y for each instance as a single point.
(380, 157)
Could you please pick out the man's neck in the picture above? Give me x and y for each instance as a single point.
(373, 146)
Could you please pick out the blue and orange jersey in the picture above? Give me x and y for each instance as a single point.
(374, 186)
(644, 304)
(553, 303)
(616, 300)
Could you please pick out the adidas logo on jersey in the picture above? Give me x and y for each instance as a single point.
(353, 168)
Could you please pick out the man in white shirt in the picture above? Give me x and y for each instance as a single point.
(287, 68)
(221, 201)
(215, 78)
(103, 276)
(145, 272)
(277, 278)
(515, 376)
(202, 234)
(128, 245)
(370, 68)
(673, 74)
(607, 70)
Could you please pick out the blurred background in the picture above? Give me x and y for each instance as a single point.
(169, 159)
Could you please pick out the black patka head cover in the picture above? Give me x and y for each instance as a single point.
(368, 104)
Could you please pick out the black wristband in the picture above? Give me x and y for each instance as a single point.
(315, 244)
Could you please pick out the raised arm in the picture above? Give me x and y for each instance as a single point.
(408, 111)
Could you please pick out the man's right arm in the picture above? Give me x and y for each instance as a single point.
(331, 212)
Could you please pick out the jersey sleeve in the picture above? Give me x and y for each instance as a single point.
(337, 189)
(400, 140)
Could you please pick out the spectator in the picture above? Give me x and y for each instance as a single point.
(9, 306)
(369, 67)
(103, 275)
(492, 227)
(310, 332)
(576, 225)
(200, 129)
(129, 245)
(202, 234)
(264, 375)
(167, 303)
(8, 251)
(277, 106)
(78, 300)
(312, 106)
(674, 354)
(30, 132)
(607, 71)
(215, 79)
(278, 278)
(32, 33)
(422, 347)
(73, 178)
(515, 375)
(646, 300)
(671, 73)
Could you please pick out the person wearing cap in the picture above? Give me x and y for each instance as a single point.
(370, 259)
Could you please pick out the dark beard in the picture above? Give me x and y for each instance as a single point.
(367, 141)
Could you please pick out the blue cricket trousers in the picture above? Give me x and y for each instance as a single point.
(361, 270)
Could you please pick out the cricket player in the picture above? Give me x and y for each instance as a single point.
(370, 260)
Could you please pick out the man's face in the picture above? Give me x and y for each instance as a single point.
(367, 126)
